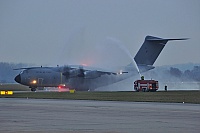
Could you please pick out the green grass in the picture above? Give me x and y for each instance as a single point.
(160, 96)
(169, 96)
(14, 87)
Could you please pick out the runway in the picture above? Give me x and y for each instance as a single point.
(85, 116)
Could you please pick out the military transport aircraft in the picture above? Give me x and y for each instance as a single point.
(84, 78)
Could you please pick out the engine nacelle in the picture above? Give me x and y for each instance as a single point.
(91, 74)
(81, 73)
(74, 73)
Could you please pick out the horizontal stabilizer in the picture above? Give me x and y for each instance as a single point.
(151, 38)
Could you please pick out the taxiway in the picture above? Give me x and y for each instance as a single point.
(85, 116)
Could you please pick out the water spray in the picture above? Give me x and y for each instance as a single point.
(127, 52)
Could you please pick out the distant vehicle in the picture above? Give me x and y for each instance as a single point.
(146, 85)
(84, 78)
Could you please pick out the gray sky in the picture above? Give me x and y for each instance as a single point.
(79, 31)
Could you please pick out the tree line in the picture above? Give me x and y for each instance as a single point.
(187, 75)
(169, 74)
(7, 74)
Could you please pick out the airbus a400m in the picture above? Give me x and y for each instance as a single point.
(84, 78)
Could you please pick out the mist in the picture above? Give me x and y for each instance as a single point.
(176, 78)
(107, 53)
(110, 53)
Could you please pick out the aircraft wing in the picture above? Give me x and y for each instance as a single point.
(87, 72)
(74, 71)
(27, 68)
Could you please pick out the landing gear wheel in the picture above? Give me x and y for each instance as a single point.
(33, 89)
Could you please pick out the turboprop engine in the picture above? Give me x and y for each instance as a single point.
(80, 72)
(74, 73)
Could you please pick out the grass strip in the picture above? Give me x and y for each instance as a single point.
(160, 96)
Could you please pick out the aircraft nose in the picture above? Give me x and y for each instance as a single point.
(18, 78)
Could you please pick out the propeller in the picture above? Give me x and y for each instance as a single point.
(81, 72)
(70, 72)
(66, 71)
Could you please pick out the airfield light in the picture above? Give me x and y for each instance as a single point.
(6, 92)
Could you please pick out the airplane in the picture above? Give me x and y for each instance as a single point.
(85, 78)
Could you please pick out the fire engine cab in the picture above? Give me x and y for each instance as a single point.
(146, 85)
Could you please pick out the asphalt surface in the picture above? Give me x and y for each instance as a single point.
(84, 116)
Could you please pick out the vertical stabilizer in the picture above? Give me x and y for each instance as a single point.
(149, 51)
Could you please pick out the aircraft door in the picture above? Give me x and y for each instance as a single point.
(40, 81)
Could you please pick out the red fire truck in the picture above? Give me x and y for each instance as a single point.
(146, 85)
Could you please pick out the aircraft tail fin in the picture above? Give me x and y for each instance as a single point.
(150, 50)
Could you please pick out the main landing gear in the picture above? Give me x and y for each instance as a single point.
(33, 88)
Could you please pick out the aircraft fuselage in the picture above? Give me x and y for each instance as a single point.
(55, 76)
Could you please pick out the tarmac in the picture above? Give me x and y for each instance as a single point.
(86, 116)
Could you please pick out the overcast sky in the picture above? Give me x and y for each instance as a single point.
(81, 31)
